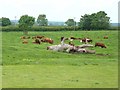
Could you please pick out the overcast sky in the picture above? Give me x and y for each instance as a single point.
(58, 10)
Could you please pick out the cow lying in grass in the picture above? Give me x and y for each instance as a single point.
(48, 40)
(105, 37)
(37, 41)
(25, 42)
(25, 37)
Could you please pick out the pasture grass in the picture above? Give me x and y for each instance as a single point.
(31, 65)
(62, 76)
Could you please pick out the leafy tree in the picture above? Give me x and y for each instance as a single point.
(5, 21)
(70, 22)
(98, 20)
(41, 20)
(85, 22)
(26, 22)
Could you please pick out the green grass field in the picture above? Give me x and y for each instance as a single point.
(30, 65)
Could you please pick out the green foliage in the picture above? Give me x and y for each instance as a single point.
(98, 20)
(11, 28)
(70, 22)
(42, 21)
(85, 22)
(26, 22)
(5, 21)
(43, 28)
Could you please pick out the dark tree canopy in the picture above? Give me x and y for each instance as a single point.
(98, 20)
(70, 22)
(41, 20)
(26, 22)
(5, 21)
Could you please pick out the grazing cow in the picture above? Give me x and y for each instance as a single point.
(72, 38)
(100, 45)
(105, 37)
(75, 38)
(49, 40)
(85, 40)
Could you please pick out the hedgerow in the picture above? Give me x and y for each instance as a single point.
(45, 28)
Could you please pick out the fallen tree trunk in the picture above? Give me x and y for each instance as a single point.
(70, 49)
(85, 45)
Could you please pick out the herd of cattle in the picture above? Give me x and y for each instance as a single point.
(37, 39)
(66, 47)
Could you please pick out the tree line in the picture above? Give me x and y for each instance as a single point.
(94, 21)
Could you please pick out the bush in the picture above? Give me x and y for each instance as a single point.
(47, 28)
(40, 28)
(11, 28)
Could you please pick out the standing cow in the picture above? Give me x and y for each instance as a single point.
(100, 45)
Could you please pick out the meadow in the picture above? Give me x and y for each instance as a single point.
(33, 66)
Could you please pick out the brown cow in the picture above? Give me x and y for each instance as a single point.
(25, 42)
(25, 37)
(49, 40)
(33, 37)
(40, 37)
(105, 37)
(37, 41)
(100, 45)
(85, 40)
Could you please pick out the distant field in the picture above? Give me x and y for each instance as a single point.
(31, 65)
